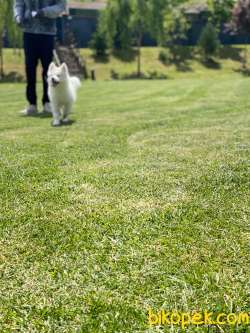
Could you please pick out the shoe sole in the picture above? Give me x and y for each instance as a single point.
(34, 114)
(63, 123)
(57, 125)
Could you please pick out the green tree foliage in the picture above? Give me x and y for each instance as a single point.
(7, 22)
(99, 42)
(241, 17)
(157, 10)
(118, 23)
(221, 10)
(14, 32)
(140, 19)
(208, 42)
(124, 23)
(241, 23)
(176, 24)
(3, 12)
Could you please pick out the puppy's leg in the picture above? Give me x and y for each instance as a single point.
(66, 112)
(56, 115)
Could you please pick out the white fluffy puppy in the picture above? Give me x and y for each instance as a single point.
(62, 92)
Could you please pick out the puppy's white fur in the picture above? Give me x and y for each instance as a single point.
(62, 92)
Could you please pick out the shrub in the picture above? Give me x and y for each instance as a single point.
(99, 43)
(163, 57)
(240, 17)
(240, 23)
(209, 42)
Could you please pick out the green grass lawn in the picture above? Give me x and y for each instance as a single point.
(142, 203)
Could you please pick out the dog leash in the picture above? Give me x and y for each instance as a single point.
(57, 60)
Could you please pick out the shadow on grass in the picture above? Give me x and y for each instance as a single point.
(64, 123)
(12, 77)
(68, 123)
(101, 59)
(37, 115)
(122, 55)
(179, 56)
(183, 67)
(211, 64)
(152, 75)
(46, 115)
(125, 55)
(244, 71)
(233, 53)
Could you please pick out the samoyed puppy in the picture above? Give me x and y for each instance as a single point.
(62, 92)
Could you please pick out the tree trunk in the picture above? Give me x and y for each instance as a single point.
(244, 61)
(1, 61)
(139, 42)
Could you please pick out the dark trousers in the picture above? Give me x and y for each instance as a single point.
(37, 47)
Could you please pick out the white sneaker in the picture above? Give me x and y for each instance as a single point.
(31, 110)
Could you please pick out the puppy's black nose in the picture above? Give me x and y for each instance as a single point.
(54, 81)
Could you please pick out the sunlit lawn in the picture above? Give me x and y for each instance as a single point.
(142, 203)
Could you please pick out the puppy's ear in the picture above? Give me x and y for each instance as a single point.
(64, 68)
(51, 67)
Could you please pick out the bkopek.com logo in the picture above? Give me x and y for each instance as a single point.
(202, 318)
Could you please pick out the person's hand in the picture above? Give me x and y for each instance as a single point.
(40, 13)
(27, 16)
(19, 20)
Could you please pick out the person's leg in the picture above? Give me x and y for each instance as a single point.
(31, 62)
(46, 56)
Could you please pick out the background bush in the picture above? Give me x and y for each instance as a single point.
(99, 43)
(209, 42)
